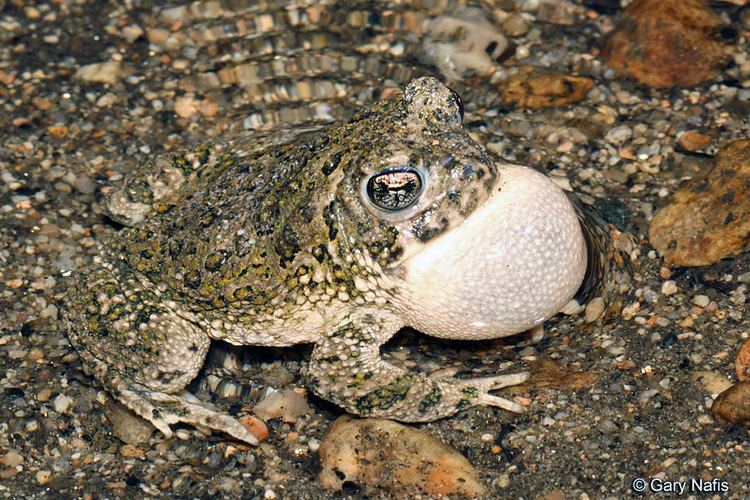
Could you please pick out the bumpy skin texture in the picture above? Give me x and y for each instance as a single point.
(276, 241)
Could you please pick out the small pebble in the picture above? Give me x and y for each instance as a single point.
(12, 459)
(693, 141)
(289, 404)
(701, 300)
(515, 25)
(44, 395)
(108, 72)
(557, 12)
(62, 403)
(256, 427)
(43, 476)
(629, 311)
(132, 32)
(313, 444)
(126, 425)
(669, 287)
(711, 381)
(619, 135)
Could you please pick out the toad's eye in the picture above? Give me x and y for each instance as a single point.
(395, 188)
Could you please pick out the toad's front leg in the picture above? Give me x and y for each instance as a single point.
(346, 368)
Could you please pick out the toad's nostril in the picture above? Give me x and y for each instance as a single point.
(459, 102)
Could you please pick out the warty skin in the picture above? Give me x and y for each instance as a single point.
(339, 238)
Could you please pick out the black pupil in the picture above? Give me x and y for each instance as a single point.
(394, 189)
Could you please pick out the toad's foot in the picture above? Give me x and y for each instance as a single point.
(163, 410)
(491, 383)
(347, 368)
(142, 351)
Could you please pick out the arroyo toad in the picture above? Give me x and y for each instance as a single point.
(338, 237)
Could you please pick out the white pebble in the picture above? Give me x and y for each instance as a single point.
(620, 134)
(701, 300)
(62, 403)
(313, 444)
(669, 287)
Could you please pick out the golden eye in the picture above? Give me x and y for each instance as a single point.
(394, 188)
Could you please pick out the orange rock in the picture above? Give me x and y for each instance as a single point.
(742, 362)
(131, 451)
(627, 364)
(186, 106)
(693, 141)
(256, 427)
(42, 104)
(666, 43)
(58, 131)
(709, 219)
(535, 89)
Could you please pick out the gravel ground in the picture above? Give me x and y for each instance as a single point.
(637, 404)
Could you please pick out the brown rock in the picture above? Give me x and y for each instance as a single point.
(693, 141)
(742, 362)
(733, 405)
(535, 89)
(106, 72)
(126, 425)
(555, 495)
(709, 219)
(515, 25)
(557, 12)
(384, 455)
(666, 43)
(130, 451)
(547, 373)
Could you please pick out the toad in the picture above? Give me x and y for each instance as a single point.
(337, 237)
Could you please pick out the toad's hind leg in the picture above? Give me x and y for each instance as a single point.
(141, 351)
(346, 368)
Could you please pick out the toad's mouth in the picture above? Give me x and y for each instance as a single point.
(513, 263)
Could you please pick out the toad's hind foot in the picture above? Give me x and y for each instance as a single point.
(347, 368)
(164, 410)
(499, 382)
(142, 350)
